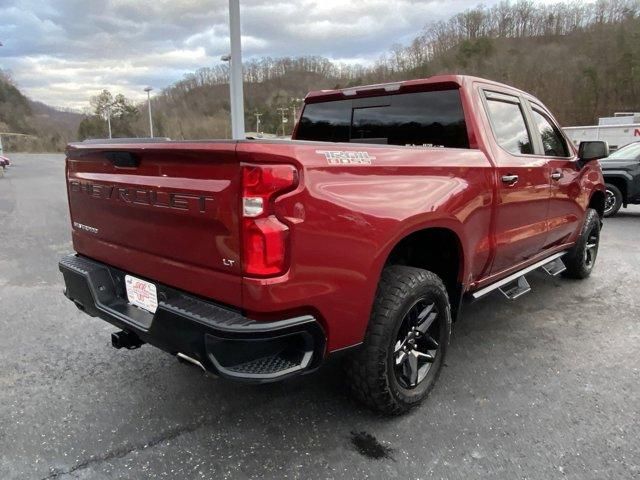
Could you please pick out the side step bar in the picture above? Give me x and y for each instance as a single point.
(554, 267)
(515, 285)
(516, 289)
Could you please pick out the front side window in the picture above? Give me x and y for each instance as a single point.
(552, 141)
(509, 126)
(409, 119)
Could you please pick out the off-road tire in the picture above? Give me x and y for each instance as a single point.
(576, 259)
(370, 370)
(617, 194)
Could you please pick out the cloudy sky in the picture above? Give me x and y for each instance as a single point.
(62, 52)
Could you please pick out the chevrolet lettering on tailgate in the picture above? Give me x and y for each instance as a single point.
(143, 196)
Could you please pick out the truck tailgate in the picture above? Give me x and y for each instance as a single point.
(165, 211)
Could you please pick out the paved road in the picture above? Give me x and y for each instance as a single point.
(546, 387)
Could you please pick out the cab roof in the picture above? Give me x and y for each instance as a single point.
(437, 82)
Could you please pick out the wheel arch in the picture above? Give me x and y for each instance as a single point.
(620, 181)
(436, 248)
(597, 202)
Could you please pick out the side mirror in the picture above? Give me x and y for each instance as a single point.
(595, 150)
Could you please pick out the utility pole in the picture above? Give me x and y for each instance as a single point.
(235, 72)
(258, 115)
(148, 90)
(283, 111)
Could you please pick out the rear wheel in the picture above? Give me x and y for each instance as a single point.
(612, 200)
(405, 343)
(582, 257)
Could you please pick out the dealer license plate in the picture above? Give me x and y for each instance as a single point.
(141, 293)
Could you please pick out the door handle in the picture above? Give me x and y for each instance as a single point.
(557, 175)
(510, 179)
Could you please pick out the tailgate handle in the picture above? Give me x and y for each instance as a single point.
(123, 159)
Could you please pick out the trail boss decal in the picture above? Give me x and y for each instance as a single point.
(339, 157)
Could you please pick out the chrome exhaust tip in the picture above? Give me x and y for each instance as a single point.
(185, 358)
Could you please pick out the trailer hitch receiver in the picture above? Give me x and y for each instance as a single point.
(125, 339)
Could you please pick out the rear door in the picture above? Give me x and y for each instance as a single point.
(565, 212)
(167, 212)
(523, 182)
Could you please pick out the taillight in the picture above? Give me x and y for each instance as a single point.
(265, 238)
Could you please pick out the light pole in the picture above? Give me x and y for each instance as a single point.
(227, 58)
(108, 109)
(148, 90)
(293, 107)
(235, 72)
(258, 115)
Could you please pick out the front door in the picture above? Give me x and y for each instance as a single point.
(565, 213)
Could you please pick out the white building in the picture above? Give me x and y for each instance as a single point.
(617, 131)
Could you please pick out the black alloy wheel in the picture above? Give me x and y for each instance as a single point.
(416, 347)
(591, 246)
(581, 258)
(612, 200)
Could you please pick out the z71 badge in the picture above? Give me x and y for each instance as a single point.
(339, 157)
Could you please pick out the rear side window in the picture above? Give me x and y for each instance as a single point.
(552, 141)
(509, 126)
(415, 119)
(327, 122)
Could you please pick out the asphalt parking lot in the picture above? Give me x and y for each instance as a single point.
(544, 387)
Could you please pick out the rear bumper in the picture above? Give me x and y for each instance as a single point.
(221, 339)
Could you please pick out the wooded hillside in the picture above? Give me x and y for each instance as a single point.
(581, 59)
(51, 129)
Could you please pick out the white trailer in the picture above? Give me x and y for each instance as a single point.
(618, 131)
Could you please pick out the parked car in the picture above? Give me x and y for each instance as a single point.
(257, 260)
(621, 172)
(4, 163)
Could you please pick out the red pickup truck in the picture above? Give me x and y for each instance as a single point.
(257, 260)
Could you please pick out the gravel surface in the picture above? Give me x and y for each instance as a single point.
(544, 387)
